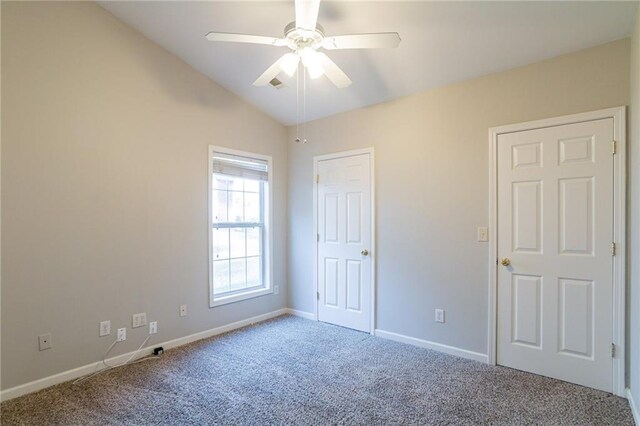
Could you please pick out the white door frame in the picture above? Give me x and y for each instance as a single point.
(372, 250)
(619, 229)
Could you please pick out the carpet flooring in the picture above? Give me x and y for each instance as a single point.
(294, 371)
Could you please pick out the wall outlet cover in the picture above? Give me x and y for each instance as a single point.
(153, 327)
(122, 334)
(105, 328)
(44, 341)
(276, 289)
(183, 310)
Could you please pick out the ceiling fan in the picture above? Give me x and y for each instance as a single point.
(305, 37)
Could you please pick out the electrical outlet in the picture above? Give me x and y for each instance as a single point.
(153, 327)
(122, 334)
(276, 289)
(139, 320)
(105, 328)
(44, 341)
(483, 234)
(183, 310)
(439, 315)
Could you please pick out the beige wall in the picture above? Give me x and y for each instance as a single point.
(432, 175)
(103, 178)
(633, 302)
(104, 187)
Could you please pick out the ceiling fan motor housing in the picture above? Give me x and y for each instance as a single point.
(299, 37)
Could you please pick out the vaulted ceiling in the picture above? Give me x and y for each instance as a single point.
(442, 42)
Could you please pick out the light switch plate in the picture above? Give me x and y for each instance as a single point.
(139, 320)
(483, 234)
(439, 315)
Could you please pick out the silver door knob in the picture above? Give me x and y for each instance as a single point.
(364, 252)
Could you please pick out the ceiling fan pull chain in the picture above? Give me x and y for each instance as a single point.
(298, 104)
(304, 107)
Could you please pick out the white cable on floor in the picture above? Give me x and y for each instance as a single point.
(109, 367)
(104, 358)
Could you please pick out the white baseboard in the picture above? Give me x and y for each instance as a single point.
(451, 350)
(75, 373)
(634, 407)
(301, 314)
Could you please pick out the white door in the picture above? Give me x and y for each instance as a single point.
(555, 227)
(344, 241)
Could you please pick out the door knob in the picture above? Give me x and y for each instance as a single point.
(506, 262)
(364, 252)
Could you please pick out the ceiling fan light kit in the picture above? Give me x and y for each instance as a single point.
(289, 64)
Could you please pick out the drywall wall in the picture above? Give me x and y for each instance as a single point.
(633, 205)
(431, 152)
(104, 187)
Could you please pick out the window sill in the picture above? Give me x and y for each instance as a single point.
(222, 300)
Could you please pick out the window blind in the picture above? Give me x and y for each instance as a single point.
(243, 167)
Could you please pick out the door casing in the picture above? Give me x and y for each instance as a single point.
(373, 253)
(619, 229)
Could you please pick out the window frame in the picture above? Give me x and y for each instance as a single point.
(267, 240)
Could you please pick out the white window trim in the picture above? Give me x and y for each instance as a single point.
(268, 237)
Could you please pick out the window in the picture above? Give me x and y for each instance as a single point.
(239, 225)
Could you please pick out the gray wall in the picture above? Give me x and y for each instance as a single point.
(432, 185)
(104, 202)
(633, 302)
(104, 187)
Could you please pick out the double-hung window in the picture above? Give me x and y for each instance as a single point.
(239, 225)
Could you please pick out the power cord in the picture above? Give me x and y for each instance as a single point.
(104, 361)
(110, 367)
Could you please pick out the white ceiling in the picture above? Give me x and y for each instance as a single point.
(442, 42)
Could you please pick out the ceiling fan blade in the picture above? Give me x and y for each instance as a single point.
(333, 72)
(362, 41)
(245, 38)
(307, 14)
(270, 73)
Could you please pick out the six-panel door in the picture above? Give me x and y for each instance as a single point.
(344, 239)
(555, 225)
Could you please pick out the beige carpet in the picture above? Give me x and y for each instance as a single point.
(294, 371)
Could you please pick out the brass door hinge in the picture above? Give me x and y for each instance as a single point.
(613, 350)
(613, 249)
(613, 147)
(318, 237)
(318, 295)
(317, 178)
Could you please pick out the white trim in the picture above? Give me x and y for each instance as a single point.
(619, 266)
(451, 350)
(315, 239)
(301, 314)
(268, 230)
(633, 406)
(224, 300)
(373, 253)
(75, 373)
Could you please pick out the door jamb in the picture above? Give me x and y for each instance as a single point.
(619, 232)
(372, 250)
